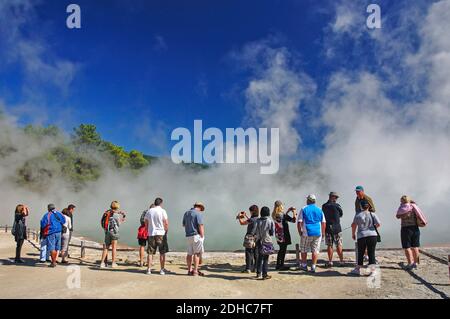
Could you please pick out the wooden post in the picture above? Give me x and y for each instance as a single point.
(6, 228)
(449, 266)
(297, 254)
(356, 253)
(83, 250)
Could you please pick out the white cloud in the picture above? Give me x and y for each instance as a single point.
(30, 50)
(275, 91)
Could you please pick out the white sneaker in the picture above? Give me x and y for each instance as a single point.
(162, 272)
(102, 266)
(113, 265)
(149, 271)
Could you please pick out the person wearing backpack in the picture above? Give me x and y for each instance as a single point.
(251, 253)
(19, 230)
(52, 226)
(110, 223)
(411, 218)
(142, 236)
(265, 229)
(282, 233)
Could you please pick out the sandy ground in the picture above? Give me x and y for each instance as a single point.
(223, 278)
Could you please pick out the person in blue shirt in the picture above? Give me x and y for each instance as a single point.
(51, 229)
(311, 227)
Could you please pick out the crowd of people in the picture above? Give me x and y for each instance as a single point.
(314, 225)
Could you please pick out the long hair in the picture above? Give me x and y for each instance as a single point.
(19, 209)
(277, 209)
(405, 199)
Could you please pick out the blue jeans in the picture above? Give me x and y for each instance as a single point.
(44, 252)
(54, 242)
(262, 263)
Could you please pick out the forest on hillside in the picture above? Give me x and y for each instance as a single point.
(78, 160)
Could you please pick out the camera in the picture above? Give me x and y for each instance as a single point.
(240, 215)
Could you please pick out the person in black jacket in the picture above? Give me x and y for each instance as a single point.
(282, 233)
(333, 231)
(20, 230)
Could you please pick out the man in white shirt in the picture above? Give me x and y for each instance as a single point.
(157, 224)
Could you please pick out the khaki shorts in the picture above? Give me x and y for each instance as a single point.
(335, 239)
(157, 243)
(195, 245)
(109, 237)
(310, 244)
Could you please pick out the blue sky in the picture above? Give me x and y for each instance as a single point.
(140, 70)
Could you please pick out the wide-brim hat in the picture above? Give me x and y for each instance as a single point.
(201, 205)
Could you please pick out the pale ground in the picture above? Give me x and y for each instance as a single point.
(223, 278)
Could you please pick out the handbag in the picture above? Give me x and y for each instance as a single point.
(378, 234)
(267, 248)
(419, 221)
(249, 241)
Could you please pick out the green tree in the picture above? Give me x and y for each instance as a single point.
(137, 160)
(118, 154)
(86, 134)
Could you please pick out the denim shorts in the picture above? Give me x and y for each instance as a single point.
(54, 242)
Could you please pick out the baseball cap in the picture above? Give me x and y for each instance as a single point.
(51, 207)
(311, 197)
(359, 189)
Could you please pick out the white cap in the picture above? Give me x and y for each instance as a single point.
(311, 197)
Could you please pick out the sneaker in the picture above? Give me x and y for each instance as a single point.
(266, 277)
(329, 264)
(162, 272)
(19, 261)
(246, 271)
(303, 267)
(414, 266)
(141, 264)
(149, 271)
(313, 269)
(102, 265)
(366, 258)
(258, 276)
(52, 265)
(113, 265)
(355, 272)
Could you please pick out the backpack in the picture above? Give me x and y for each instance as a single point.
(142, 232)
(249, 241)
(105, 220)
(44, 231)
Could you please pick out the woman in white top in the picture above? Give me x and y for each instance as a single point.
(65, 236)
